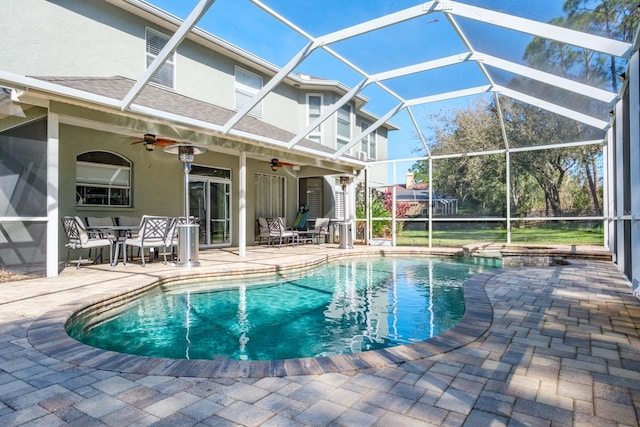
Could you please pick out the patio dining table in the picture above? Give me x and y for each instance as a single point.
(120, 232)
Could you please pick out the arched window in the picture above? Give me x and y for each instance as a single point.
(103, 179)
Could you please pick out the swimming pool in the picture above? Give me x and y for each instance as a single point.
(343, 307)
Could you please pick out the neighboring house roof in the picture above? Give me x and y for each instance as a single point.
(418, 193)
(171, 102)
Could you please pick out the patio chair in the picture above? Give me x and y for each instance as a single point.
(153, 233)
(277, 230)
(320, 229)
(80, 238)
(264, 231)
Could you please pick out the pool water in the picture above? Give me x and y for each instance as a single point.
(342, 307)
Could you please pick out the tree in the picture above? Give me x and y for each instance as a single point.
(476, 181)
(616, 19)
(402, 208)
(527, 125)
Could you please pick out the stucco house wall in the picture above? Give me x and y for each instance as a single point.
(63, 42)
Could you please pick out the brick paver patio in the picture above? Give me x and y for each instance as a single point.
(561, 347)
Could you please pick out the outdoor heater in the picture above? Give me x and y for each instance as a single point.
(188, 232)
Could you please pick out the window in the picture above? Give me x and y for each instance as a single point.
(311, 195)
(368, 143)
(155, 42)
(247, 85)
(211, 172)
(270, 195)
(314, 110)
(344, 126)
(103, 179)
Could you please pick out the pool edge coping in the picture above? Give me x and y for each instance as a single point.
(47, 334)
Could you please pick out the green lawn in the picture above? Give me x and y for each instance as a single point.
(550, 234)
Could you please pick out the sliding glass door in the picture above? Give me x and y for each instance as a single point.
(210, 202)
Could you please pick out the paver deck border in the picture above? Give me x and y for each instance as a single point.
(48, 335)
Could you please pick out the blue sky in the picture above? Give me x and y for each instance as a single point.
(246, 25)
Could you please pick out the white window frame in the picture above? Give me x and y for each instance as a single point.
(168, 68)
(243, 90)
(110, 169)
(316, 134)
(342, 140)
(368, 144)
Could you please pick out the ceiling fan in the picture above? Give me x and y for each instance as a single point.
(150, 142)
(275, 164)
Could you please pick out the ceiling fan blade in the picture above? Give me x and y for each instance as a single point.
(280, 164)
(163, 142)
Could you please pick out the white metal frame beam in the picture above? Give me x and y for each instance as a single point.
(543, 30)
(425, 66)
(634, 172)
(183, 31)
(322, 41)
(554, 108)
(271, 84)
(450, 95)
(451, 9)
(548, 78)
(368, 130)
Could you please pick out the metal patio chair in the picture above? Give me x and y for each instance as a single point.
(80, 238)
(320, 229)
(153, 234)
(264, 232)
(277, 230)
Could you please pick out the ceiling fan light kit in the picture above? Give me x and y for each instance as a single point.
(149, 141)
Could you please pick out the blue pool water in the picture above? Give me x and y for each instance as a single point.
(346, 306)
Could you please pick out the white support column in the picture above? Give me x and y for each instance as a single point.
(242, 208)
(393, 213)
(507, 159)
(53, 223)
(508, 194)
(634, 173)
(430, 201)
(611, 186)
(367, 209)
(619, 177)
(393, 205)
(607, 208)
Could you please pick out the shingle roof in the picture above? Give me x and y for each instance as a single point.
(164, 100)
(420, 192)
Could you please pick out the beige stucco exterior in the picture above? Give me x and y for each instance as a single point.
(98, 40)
